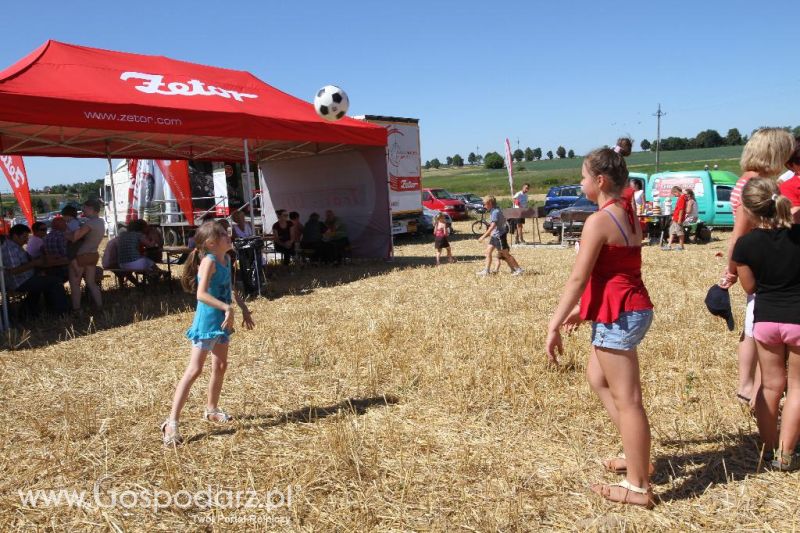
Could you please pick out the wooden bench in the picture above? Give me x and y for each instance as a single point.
(141, 277)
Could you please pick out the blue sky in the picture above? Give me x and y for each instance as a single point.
(577, 73)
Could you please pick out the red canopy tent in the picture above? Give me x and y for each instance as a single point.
(76, 101)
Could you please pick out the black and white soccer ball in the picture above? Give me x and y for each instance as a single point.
(331, 103)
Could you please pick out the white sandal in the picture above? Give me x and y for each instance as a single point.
(216, 415)
(605, 492)
(175, 439)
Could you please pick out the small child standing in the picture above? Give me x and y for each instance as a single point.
(70, 215)
(208, 272)
(767, 260)
(440, 238)
(678, 216)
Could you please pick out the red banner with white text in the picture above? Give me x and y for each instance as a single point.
(14, 169)
(176, 174)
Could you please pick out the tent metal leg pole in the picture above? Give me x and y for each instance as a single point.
(6, 324)
(113, 195)
(248, 190)
(391, 220)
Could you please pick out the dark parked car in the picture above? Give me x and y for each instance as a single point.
(573, 216)
(425, 224)
(472, 201)
(561, 196)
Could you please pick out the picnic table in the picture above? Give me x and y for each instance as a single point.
(172, 255)
(527, 212)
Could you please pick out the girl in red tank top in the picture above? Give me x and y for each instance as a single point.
(607, 280)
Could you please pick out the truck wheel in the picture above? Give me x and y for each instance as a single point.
(171, 237)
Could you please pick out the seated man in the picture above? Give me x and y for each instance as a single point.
(335, 241)
(110, 261)
(20, 275)
(55, 250)
(130, 247)
(312, 236)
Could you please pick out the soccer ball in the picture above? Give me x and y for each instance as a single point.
(331, 102)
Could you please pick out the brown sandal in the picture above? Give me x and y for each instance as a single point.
(624, 491)
(613, 466)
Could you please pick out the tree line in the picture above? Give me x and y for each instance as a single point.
(706, 139)
(495, 160)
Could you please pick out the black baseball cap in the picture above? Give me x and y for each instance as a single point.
(718, 302)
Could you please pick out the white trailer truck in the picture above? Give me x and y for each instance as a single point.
(404, 167)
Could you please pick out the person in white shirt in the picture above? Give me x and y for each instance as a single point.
(521, 201)
(638, 196)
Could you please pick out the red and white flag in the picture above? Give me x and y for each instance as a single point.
(14, 169)
(132, 214)
(510, 165)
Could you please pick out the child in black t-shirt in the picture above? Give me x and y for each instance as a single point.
(768, 264)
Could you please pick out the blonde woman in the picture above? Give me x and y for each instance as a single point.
(765, 155)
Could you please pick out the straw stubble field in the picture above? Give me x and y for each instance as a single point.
(406, 397)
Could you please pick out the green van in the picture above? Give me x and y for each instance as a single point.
(712, 189)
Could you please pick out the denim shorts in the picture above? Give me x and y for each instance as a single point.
(624, 334)
(208, 344)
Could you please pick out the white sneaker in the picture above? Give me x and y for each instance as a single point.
(482, 273)
(518, 272)
(666, 248)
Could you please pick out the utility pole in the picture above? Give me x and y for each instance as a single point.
(658, 114)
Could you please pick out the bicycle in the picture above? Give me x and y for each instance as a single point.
(479, 227)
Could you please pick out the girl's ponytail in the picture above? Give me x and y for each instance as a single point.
(783, 211)
(189, 277)
(762, 198)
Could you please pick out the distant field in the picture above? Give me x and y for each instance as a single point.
(542, 174)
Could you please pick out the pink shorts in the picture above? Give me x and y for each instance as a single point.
(777, 333)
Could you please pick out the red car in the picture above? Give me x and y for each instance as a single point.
(441, 200)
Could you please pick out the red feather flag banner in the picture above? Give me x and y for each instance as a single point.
(176, 174)
(14, 169)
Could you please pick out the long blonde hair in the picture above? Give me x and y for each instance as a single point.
(767, 152)
(207, 232)
(763, 199)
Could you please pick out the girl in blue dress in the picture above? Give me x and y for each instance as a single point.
(208, 272)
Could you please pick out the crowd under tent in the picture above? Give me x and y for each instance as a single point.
(66, 100)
